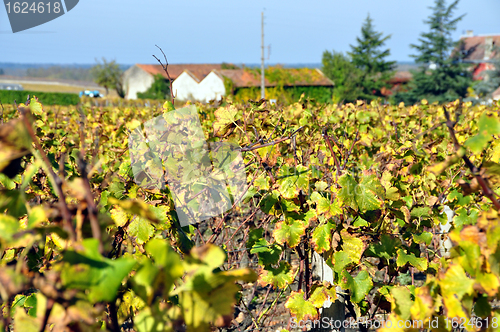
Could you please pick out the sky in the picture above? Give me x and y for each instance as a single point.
(201, 31)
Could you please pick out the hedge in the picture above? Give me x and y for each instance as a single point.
(46, 98)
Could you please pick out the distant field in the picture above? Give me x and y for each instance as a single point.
(62, 88)
(51, 85)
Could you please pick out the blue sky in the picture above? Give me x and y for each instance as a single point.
(200, 31)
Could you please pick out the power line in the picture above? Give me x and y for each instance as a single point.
(262, 74)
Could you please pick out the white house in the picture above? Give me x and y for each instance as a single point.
(188, 87)
(496, 94)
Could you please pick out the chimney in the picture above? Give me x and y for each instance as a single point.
(470, 33)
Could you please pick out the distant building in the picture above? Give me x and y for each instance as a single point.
(496, 94)
(479, 51)
(140, 77)
(397, 82)
(205, 82)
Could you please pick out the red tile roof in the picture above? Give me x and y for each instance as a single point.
(401, 77)
(244, 78)
(475, 46)
(197, 70)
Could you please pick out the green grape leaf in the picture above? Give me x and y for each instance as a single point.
(462, 218)
(403, 258)
(254, 236)
(278, 278)
(420, 212)
(150, 320)
(268, 202)
(291, 180)
(425, 237)
(365, 196)
(289, 232)
(201, 309)
(144, 281)
(402, 297)
(340, 260)
(386, 249)
(159, 274)
(321, 237)
(89, 271)
(268, 253)
(359, 286)
(141, 229)
(323, 205)
(488, 126)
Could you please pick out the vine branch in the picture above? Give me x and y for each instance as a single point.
(165, 68)
(66, 215)
(474, 170)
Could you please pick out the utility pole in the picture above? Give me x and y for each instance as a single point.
(262, 84)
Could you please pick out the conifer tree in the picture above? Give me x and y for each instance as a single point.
(442, 76)
(346, 77)
(370, 58)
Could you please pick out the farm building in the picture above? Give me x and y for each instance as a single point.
(397, 82)
(140, 77)
(479, 50)
(496, 94)
(205, 82)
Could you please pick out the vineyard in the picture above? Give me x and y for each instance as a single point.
(396, 205)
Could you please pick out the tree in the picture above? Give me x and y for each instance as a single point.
(442, 76)
(2, 72)
(368, 56)
(344, 74)
(158, 90)
(109, 75)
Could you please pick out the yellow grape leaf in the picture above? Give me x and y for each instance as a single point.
(36, 216)
(119, 216)
(321, 294)
(489, 282)
(299, 307)
(138, 207)
(353, 246)
(391, 324)
(456, 283)
(423, 307)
